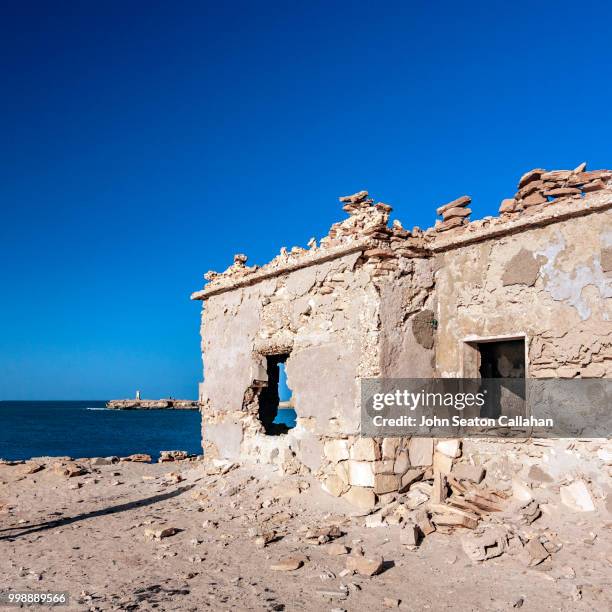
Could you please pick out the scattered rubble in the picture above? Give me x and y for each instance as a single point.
(288, 564)
(174, 455)
(577, 497)
(160, 532)
(364, 565)
(489, 544)
(138, 457)
(69, 469)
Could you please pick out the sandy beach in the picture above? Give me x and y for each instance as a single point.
(186, 536)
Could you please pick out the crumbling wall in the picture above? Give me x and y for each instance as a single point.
(320, 316)
(546, 283)
(379, 301)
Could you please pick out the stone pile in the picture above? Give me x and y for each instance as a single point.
(540, 187)
(366, 219)
(454, 214)
(364, 471)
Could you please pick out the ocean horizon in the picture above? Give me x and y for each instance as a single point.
(86, 428)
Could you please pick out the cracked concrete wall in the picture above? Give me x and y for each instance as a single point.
(549, 283)
(324, 316)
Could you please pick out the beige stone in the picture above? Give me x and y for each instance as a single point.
(483, 546)
(365, 566)
(536, 553)
(384, 466)
(391, 602)
(361, 473)
(577, 497)
(472, 473)
(335, 550)
(390, 447)
(342, 471)
(593, 370)
(361, 497)
(336, 450)
(442, 463)
(411, 476)
(334, 485)
(420, 451)
(288, 564)
(409, 534)
(451, 447)
(365, 449)
(385, 483)
(402, 463)
(161, 532)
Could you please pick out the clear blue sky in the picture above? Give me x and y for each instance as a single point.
(144, 143)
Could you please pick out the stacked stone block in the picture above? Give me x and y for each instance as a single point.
(539, 187)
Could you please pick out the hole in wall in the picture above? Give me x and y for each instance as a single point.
(276, 411)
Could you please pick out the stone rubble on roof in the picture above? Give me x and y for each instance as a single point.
(368, 223)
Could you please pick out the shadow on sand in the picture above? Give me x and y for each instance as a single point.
(23, 530)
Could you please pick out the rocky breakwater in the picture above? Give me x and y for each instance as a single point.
(158, 404)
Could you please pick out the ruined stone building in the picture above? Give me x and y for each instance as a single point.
(373, 299)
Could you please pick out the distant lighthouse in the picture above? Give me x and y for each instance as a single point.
(137, 394)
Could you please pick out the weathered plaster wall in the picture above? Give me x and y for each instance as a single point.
(323, 316)
(548, 283)
(407, 322)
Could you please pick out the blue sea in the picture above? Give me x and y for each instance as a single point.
(86, 429)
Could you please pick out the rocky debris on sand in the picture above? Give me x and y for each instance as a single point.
(577, 497)
(287, 564)
(138, 458)
(322, 535)
(364, 565)
(390, 602)
(410, 535)
(220, 467)
(336, 549)
(487, 545)
(340, 593)
(160, 532)
(173, 455)
(522, 513)
(535, 552)
(261, 537)
(33, 468)
(69, 469)
(98, 461)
